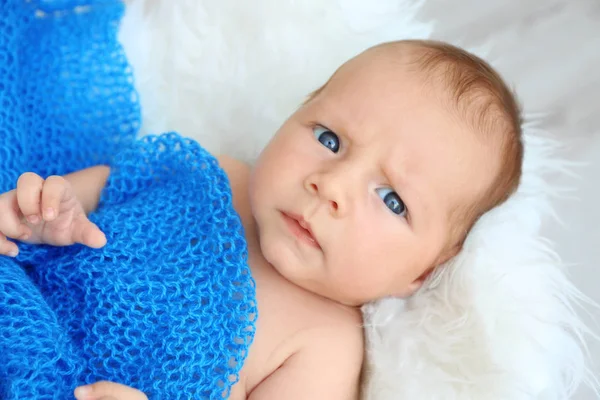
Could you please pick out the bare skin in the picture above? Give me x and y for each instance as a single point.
(350, 202)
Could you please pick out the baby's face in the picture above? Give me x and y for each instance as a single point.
(374, 166)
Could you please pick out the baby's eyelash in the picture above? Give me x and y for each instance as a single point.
(392, 200)
(327, 138)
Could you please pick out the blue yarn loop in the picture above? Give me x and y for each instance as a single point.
(168, 305)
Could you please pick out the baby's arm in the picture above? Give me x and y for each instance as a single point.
(328, 369)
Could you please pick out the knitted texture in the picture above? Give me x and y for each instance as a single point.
(168, 305)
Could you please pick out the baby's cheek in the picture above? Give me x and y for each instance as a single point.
(363, 277)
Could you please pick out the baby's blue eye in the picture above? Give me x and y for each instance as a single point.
(392, 201)
(327, 138)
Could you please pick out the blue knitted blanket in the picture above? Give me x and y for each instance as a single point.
(168, 305)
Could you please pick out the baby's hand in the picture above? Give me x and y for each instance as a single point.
(44, 211)
(108, 391)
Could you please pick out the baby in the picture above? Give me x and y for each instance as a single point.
(372, 184)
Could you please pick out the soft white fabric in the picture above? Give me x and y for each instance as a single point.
(499, 322)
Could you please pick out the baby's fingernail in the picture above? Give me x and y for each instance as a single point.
(13, 253)
(49, 213)
(33, 219)
(83, 391)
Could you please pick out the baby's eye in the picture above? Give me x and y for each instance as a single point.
(327, 138)
(392, 201)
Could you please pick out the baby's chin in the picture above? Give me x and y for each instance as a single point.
(305, 270)
(288, 266)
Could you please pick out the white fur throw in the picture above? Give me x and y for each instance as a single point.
(499, 323)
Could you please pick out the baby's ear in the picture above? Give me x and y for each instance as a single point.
(443, 258)
(447, 254)
(416, 284)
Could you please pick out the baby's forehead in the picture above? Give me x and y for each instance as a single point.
(373, 88)
(383, 86)
(379, 69)
(462, 82)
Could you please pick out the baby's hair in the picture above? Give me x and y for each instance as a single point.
(480, 97)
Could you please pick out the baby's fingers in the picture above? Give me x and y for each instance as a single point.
(8, 248)
(11, 224)
(108, 390)
(29, 190)
(53, 193)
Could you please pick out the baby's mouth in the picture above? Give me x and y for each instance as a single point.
(300, 228)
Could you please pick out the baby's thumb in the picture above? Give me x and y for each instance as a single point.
(87, 233)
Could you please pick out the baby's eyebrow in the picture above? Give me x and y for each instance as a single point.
(333, 114)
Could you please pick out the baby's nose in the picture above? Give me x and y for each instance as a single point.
(326, 192)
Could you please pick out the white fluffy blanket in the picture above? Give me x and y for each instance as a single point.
(499, 324)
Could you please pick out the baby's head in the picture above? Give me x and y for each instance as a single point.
(388, 165)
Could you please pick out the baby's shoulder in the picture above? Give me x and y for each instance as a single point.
(332, 348)
(338, 334)
(233, 165)
(238, 174)
(336, 329)
(328, 362)
(237, 171)
(316, 357)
